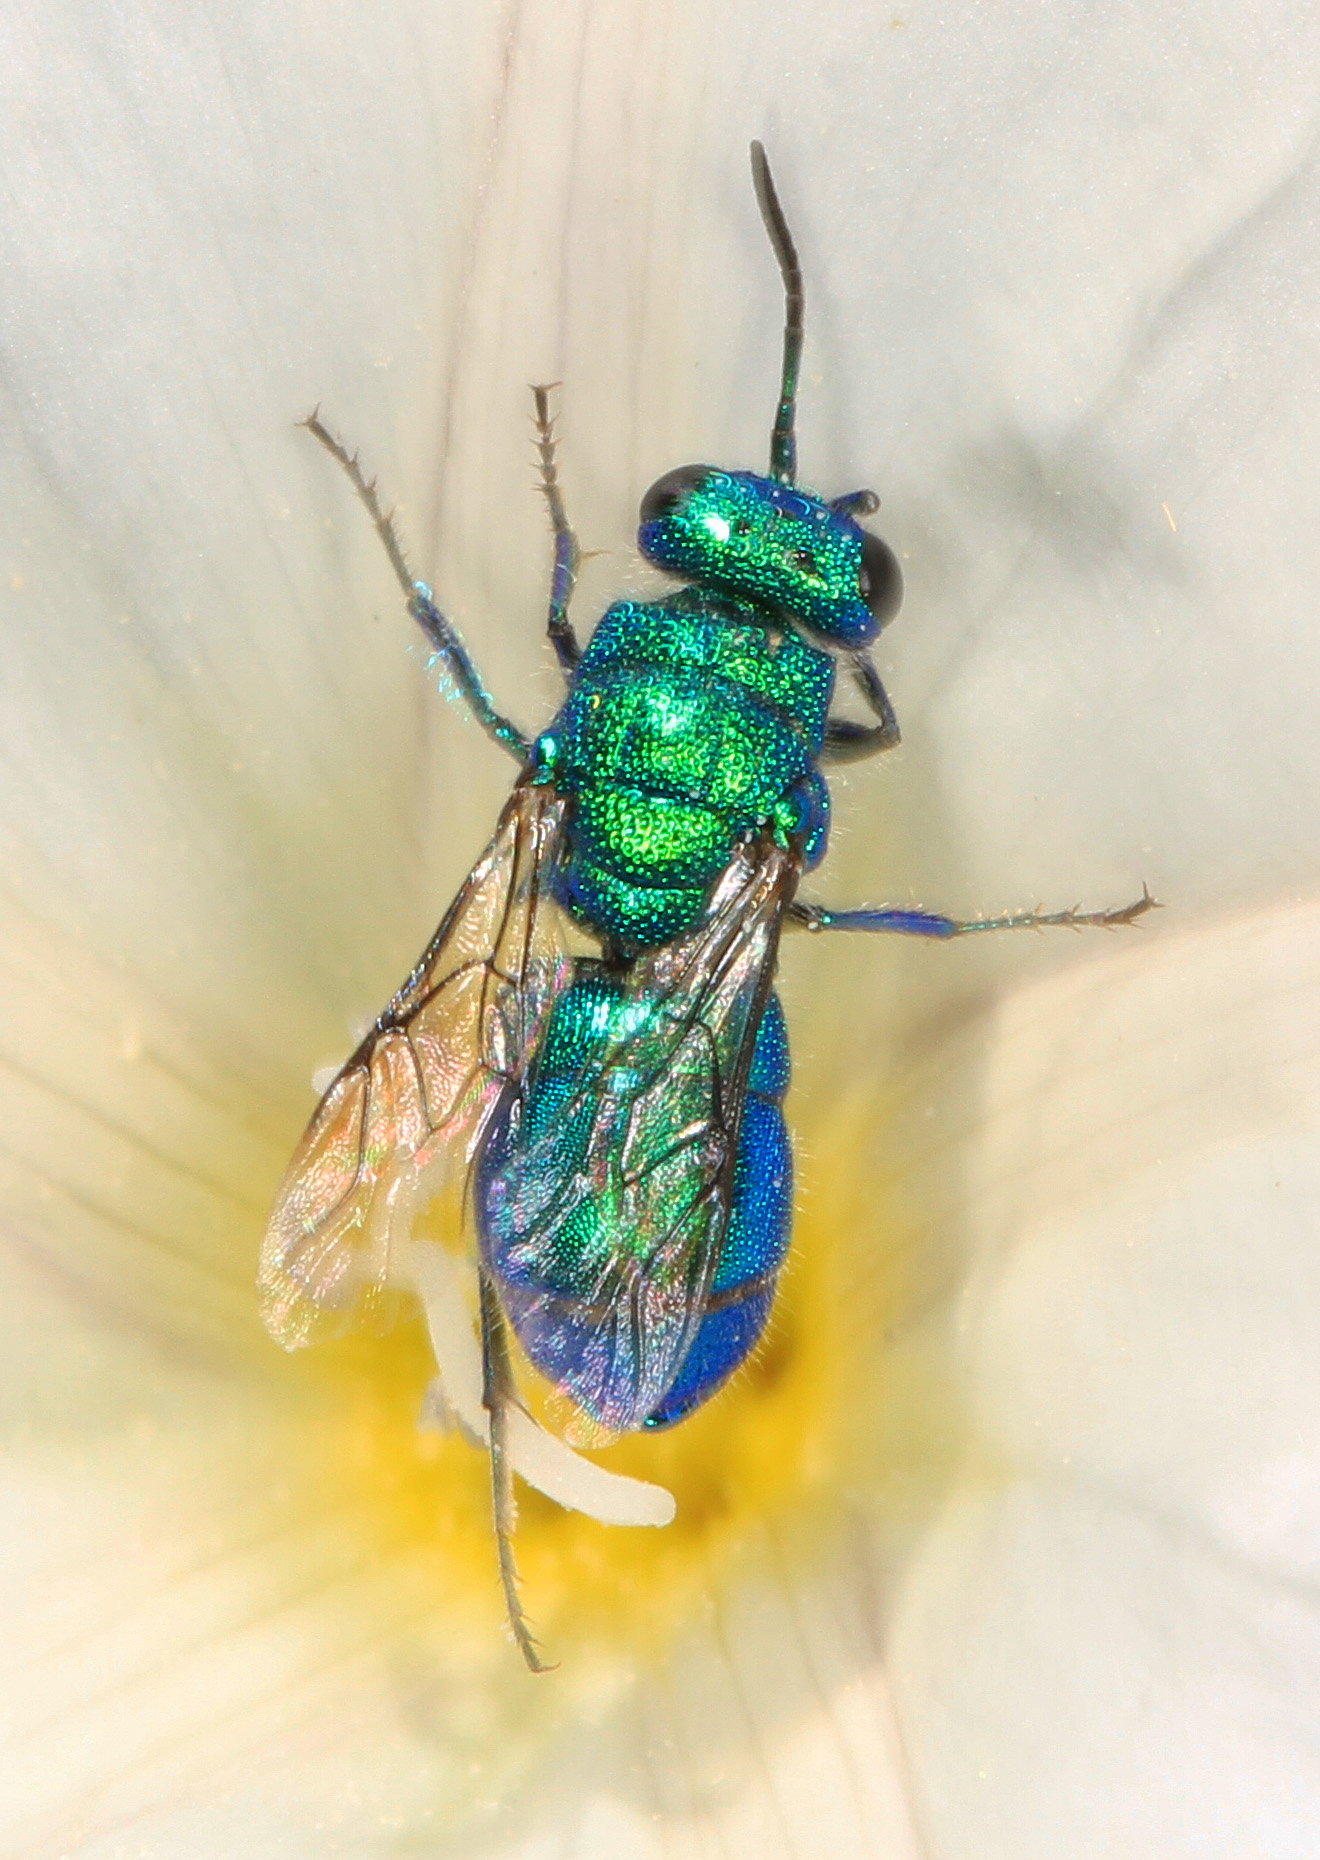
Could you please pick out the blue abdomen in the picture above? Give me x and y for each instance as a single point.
(552, 1238)
(756, 1238)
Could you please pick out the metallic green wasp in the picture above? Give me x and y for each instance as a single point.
(612, 1122)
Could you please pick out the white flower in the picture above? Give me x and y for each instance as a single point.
(1006, 1546)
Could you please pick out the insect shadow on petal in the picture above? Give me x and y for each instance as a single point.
(613, 1122)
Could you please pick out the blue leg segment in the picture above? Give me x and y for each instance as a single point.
(450, 649)
(755, 1240)
(815, 917)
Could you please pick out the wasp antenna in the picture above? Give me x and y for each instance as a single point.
(783, 441)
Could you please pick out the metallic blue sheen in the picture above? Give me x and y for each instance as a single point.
(905, 923)
(726, 1338)
(771, 1064)
(803, 815)
(757, 1236)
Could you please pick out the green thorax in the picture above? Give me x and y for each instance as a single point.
(688, 722)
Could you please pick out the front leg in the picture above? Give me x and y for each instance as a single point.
(567, 554)
(458, 661)
(448, 646)
(849, 742)
(816, 917)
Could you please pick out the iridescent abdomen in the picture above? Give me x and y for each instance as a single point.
(689, 723)
(755, 1239)
(558, 1242)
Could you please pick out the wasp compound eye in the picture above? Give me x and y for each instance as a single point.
(880, 580)
(669, 493)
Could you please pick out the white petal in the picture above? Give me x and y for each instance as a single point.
(1061, 275)
(544, 1461)
(1108, 1641)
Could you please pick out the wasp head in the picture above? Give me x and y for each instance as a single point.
(783, 547)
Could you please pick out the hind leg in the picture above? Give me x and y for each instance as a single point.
(497, 1396)
(933, 923)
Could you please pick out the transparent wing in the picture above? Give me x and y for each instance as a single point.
(412, 1103)
(604, 1229)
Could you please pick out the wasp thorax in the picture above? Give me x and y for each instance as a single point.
(783, 547)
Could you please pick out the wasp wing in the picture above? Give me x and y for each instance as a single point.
(412, 1103)
(603, 1230)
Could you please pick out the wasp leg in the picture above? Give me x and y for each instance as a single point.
(930, 923)
(856, 504)
(567, 554)
(849, 742)
(448, 646)
(497, 1395)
